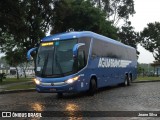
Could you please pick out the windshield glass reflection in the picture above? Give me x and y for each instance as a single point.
(55, 59)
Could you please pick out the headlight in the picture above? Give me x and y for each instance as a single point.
(37, 81)
(69, 81)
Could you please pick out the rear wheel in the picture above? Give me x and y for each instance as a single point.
(130, 80)
(126, 81)
(93, 87)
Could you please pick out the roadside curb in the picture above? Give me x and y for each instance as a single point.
(18, 91)
(146, 81)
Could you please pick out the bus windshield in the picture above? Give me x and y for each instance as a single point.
(55, 59)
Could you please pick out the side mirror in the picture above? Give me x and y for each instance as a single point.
(75, 49)
(29, 57)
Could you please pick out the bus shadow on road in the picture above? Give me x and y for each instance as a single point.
(85, 94)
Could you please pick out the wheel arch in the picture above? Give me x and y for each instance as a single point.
(126, 74)
(93, 76)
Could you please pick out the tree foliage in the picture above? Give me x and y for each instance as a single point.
(24, 22)
(128, 36)
(80, 15)
(150, 37)
(116, 9)
(14, 58)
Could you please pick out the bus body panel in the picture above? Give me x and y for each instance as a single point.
(108, 69)
(111, 76)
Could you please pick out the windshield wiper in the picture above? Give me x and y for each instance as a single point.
(59, 66)
(45, 66)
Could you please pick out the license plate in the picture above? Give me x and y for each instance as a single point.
(52, 89)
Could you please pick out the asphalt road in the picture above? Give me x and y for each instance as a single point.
(137, 97)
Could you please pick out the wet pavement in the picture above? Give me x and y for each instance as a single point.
(138, 97)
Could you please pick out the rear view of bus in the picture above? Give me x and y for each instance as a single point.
(66, 63)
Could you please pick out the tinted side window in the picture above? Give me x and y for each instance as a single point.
(102, 48)
(97, 48)
(86, 47)
(132, 54)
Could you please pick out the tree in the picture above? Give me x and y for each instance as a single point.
(128, 36)
(14, 58)
(150, 37)
(3, 62)
(116, 9)
(23, 23)
(26, 22)
(80, 15)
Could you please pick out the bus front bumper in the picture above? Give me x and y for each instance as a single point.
(66, 88)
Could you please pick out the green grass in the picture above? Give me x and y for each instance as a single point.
(22, 86)
(147, 78)
(14, 80)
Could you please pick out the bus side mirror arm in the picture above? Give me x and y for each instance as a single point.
(75, 49)
(29, 53)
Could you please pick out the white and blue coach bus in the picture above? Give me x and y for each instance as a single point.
(82, 61)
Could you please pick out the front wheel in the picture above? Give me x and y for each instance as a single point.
(92, 87)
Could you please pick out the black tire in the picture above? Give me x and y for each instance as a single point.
(59, 95)
(126, 81)
(129, 80)
(92, 87)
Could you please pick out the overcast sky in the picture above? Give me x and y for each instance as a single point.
(146, 11)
